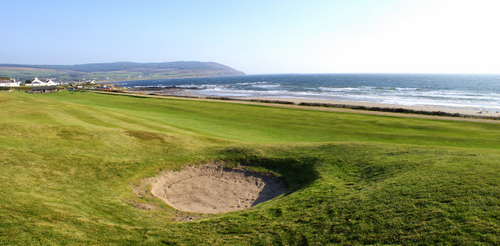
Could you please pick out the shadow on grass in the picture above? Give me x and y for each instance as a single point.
(270, 191)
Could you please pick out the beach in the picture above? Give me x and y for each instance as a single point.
(465, 95)
(461, 111)
(336, 105)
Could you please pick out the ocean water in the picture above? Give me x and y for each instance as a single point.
(477, 92)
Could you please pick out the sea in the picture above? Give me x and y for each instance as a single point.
(467, 91)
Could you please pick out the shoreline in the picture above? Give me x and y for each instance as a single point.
(339, 106)
(368, 105)
(427, 109)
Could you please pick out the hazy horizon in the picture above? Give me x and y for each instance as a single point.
(259, 37)
(285, 73)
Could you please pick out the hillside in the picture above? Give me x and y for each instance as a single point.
(118, 71)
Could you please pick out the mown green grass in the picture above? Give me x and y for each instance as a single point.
(69, 159)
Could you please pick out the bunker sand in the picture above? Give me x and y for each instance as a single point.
(213, 189)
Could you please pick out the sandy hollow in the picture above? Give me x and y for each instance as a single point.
(211, 188)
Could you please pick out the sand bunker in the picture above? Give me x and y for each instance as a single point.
(212, 189)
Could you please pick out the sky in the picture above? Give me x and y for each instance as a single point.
(258, 36)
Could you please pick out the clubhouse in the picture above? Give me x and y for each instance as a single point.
(37, 82)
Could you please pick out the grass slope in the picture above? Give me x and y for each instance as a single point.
(69, 159)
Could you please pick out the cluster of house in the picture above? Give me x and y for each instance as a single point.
(49, 86)
(34, 82)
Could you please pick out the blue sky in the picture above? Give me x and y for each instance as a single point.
(259, 37)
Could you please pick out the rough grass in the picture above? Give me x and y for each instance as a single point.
(69, 161)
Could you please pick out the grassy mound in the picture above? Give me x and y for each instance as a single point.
(72, 165)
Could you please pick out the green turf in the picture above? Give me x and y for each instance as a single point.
(69, 159)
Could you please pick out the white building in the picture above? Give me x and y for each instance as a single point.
(37, 82)
(9, 83)
(50, 82)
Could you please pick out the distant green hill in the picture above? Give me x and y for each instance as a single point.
(118, 71)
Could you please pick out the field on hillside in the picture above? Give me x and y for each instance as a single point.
(117, 71)
(72, 164)
(64, 75)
